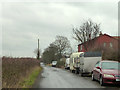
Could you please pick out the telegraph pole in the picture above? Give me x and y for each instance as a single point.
(38, 51)
(38, 44)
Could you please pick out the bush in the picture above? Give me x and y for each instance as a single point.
(60, 64)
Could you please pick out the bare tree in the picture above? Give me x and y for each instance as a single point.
(87, 31)
(63, 45)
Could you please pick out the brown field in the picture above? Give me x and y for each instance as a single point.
(15, 69)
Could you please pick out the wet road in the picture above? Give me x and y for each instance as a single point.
(59, 78)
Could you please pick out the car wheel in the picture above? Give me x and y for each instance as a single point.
(82, 74)
(76, 72)
(72, 71)
(101, 81)
(93, 79)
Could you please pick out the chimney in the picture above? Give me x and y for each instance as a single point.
(100, 33)
(89, 36)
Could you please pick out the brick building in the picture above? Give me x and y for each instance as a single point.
(103, 42)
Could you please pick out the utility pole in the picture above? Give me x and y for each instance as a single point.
(38, 44)
(38, 51)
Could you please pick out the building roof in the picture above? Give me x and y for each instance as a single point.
(114, 37)
(77, 54)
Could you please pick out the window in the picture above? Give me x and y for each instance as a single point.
(111, 45)
(81, 55)
(111, 65)
(81, 47)
(104, 44)
(97, 64)
(73, 60)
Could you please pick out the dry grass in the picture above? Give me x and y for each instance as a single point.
(30, 79)
(14, 69)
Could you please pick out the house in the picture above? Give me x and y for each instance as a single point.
(102, 42)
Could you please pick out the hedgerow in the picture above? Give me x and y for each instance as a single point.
(14, 69)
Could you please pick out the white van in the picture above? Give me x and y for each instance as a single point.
(54, 63)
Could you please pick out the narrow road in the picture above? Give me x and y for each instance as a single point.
(59, 78)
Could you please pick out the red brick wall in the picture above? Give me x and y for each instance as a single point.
(79, 49)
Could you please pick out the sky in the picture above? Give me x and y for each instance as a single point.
(24, 22)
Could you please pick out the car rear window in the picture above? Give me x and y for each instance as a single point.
(111, 65)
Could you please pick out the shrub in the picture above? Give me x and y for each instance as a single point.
(60, 64)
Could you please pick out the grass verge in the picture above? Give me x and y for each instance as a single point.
(30, 80)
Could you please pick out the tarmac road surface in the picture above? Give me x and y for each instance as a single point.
(52, 77)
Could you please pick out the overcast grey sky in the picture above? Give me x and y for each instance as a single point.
(24, 22)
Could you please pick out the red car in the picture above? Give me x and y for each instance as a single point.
(107, 72)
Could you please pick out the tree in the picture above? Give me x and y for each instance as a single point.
(50, 53)
(63, 45)
(57, 49)
(87, 31)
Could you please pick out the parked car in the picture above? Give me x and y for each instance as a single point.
(107, 72)
(42, 64)
(54, 63)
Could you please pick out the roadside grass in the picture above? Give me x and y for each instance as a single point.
(30, 80)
